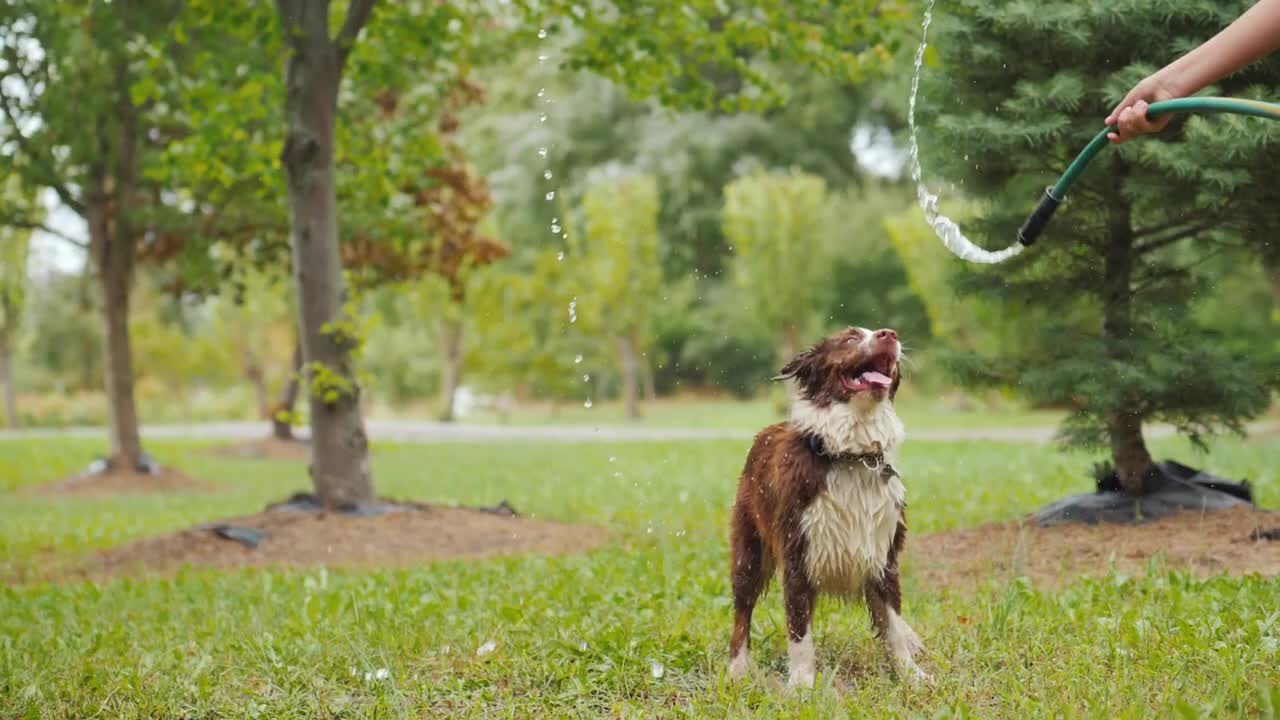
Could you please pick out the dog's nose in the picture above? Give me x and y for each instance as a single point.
(886, 335)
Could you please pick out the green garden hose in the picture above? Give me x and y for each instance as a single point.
(1053, 196)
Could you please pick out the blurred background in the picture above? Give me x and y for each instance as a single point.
(599, 256)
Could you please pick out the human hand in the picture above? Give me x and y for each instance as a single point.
(1130, 116)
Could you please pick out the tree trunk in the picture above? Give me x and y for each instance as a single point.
(257, 378)
(282, 415)
(113, 255)
(790, 343)
(1271, 266)
(6, 379)
(451, 368)
(339, 445)
(1128, 448)
(630, 377)
(646, 377)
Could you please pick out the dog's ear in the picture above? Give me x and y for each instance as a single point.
(800, 367)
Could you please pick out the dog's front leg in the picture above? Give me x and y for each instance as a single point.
(900, 642)
(800, 597)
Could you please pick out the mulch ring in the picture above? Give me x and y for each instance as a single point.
(118, 481)
(1236, 542)
(267, 448)
(402, 534)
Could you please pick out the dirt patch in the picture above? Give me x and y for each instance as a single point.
(268, 448)
(115, 482)
(405, 537)
(1231, 542)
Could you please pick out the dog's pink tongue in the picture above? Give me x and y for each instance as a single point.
(871, 377)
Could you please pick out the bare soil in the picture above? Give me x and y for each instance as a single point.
(114, 482)
(1231, 542)
(405, 537)
(267, 448)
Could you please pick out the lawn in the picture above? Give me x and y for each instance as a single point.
(638, 628)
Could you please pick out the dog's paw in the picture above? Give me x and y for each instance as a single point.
(915, 676)
(739, 665)
(801, 679)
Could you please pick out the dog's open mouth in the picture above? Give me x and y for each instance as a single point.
(875, 374)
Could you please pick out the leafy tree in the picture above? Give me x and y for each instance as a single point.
(523, 337)
(1118, 271)
(14, 246)
(76, 120)
(453, 203)
(618, 253)
(778, 231)
(724, 53)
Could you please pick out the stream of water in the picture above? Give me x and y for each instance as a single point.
(946, 229)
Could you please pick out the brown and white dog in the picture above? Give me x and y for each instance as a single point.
(819, 499)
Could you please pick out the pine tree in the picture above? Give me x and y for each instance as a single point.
(1022, 87)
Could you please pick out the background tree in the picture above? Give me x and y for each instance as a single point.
(523, 338)
(618, 252)
(14, 246)
(1123, 264)
(76, 113)
(777, 228)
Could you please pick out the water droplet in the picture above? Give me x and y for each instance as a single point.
(560, 256)
(573, 310)
(542, 58)
(542, 152)
(551, 195)
(555, 229)
(613, 458)
(657, 670)
(587, 404)
(542, 34)
(486, 648)
(542, 118)
(586, 377)
(546, 175)
(577, 359)
(542, 92)
(582, 645)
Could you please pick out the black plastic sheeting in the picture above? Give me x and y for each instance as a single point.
(1171, 488)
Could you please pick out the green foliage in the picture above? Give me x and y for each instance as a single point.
(617, 255)
(14, 249)
(1105, 306)
(592, 124)
(779, 230)
(523, 336)
(723, 54)
(328, 385)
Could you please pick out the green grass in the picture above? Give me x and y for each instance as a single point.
(579, 636)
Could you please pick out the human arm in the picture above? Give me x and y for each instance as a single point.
(1253, 35)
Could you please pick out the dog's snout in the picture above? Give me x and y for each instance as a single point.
(886, 336)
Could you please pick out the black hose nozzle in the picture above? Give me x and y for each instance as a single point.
(1035, 222)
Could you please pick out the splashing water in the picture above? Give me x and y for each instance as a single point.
(946, 229)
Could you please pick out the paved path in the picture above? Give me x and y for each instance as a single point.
(434, 432)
